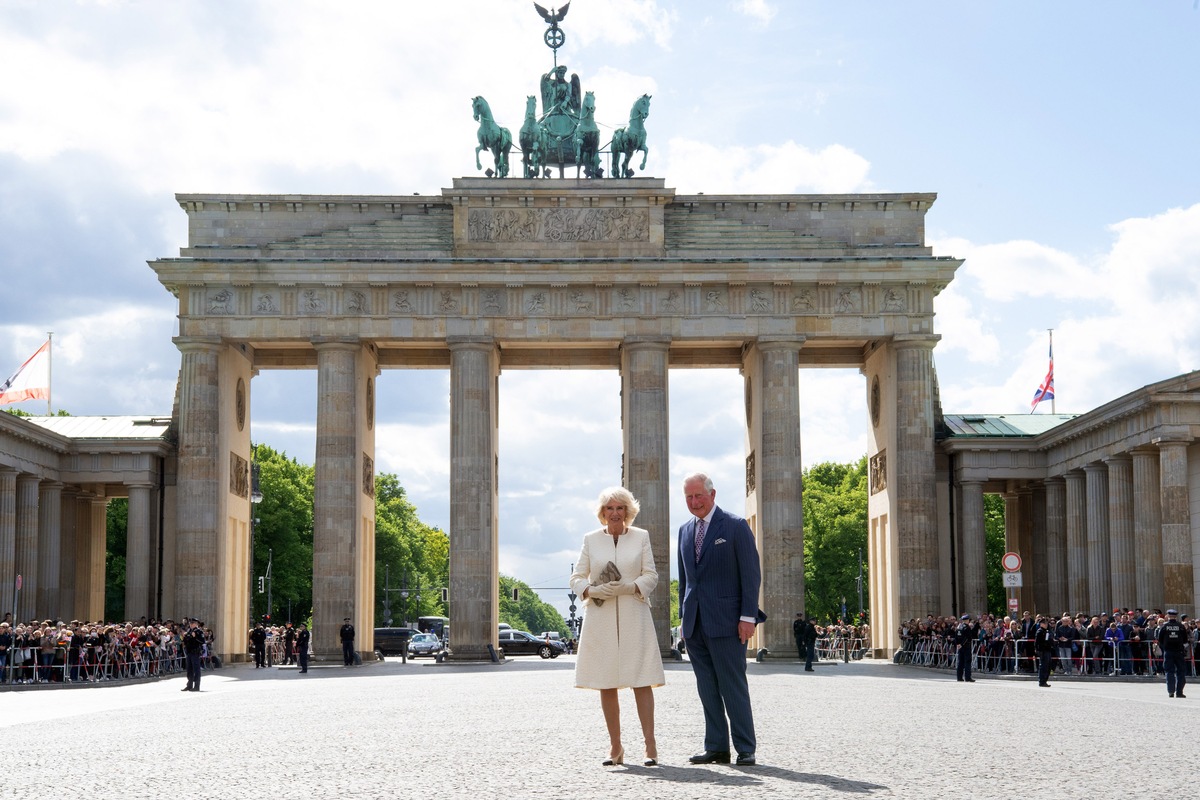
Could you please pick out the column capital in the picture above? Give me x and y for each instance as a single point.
(1094, 466)
(197, 344)
(1172, 438)
(1056, 479)
(471, 342)
(1118, 458)
(336, 343)
(780, 342)
(912, 341)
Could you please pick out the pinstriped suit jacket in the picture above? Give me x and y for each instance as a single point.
(723, 586)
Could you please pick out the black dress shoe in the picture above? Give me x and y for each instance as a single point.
(745, 759)
(970, 680)
(711, 757)
(1180, 694)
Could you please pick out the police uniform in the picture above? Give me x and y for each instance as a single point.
(302, 647)
(1043, 644)
(193, 646)
(964, 635)
(347, 634)
(258, 638)
(1172, 640)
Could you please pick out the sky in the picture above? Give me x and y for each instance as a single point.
(1060, 139)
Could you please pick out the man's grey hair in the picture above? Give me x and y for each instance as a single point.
(700, 476)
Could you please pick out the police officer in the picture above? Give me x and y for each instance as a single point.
(302, 639)
(347, 634)
(258, 640)
(289, 645)
(1172, 640)
(798, 634)
(1043, 644)
(193, 646)
(964, 636)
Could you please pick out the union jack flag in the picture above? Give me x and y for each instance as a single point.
(1046, 390)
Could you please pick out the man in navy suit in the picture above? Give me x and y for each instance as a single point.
(719, 576)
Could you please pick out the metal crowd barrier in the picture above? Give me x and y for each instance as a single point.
(1089, 659)
(109, 662)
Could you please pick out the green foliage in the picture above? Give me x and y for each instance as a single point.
(284, 527)
(529, 612)
(16, 412)
(117, 527)
(675, 603)
(410, 556)
(835, 534)
(993, 526)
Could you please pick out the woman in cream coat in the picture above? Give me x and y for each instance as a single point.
(618, 646)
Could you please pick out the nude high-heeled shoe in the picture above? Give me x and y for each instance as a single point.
(616, 760)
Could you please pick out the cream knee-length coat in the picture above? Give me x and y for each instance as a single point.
(618, 646)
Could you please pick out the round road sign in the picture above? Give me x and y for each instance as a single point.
(1011, 562)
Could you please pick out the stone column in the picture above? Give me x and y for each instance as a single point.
(199, 469)
(138, 552)
(1056, 546)
(1037, 571)
(916, 494)
(1024, 594)
(1077, 544)
(49, 552)
(1099, 565)
(90, 535)
(8, 537)
(974, 540)
(27, 544)
(69, 516)
(774, 376)
(645, 425)
(335, 496)
(1122, 556)
(1178, 587)
(474, 566)
(1147, 529)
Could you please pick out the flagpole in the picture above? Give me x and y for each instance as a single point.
(1051, 331)
(49, 372)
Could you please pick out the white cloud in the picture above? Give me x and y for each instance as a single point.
(770, 169)
(760, 10)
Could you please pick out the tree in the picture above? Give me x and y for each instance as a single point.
(284, 527)
(835, 536)
(410, 556)
(116, 534)
(993, 526)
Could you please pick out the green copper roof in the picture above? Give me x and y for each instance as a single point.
(1007, 425)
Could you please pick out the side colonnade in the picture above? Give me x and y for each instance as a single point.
(1104, 507)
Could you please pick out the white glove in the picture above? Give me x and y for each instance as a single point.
(601, 591)
(624, 588)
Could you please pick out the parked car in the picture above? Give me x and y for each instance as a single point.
(393, 641)
(520, 643)
(424, 644)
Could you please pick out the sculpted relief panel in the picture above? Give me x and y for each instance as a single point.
(559, 225)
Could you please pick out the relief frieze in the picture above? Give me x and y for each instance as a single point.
(558, 225)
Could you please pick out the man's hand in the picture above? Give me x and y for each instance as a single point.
(745, 630)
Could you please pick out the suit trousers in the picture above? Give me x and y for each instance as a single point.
(719, 663)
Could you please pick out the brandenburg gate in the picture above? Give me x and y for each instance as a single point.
(618, 273)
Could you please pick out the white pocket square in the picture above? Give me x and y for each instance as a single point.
(719, 541)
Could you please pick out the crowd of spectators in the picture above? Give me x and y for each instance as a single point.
(1123, 642)
(54, 651)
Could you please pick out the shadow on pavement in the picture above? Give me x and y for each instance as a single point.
(744, 777)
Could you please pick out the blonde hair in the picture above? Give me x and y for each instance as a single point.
(620, 495)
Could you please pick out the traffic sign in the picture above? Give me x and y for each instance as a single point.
(1012, 580)
(1011, 562)
(1013, 604)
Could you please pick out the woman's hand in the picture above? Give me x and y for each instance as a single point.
(601, 591)
(624, 588)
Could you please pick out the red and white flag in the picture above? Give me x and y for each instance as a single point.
(31, 381)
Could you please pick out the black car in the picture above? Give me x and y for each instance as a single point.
(520, 643)
(393, 641)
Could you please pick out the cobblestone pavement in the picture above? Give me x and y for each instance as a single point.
(521, 730)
